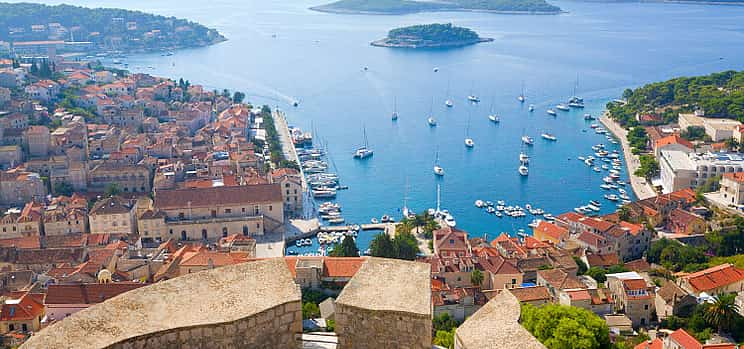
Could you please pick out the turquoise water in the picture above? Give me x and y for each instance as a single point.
(280, 51)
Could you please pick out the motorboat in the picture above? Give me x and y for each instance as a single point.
(479, 203)
(549, 137)
(562, 107)
(374, 221)
(611, 197)
(491, 210)
(528, 140)
(552, 112)
(469, 142)
(449, 103)
(431, 121)
(438, 170)
(474, 98)
(523, 170)
(494, 118)
(588, 116)
(524, 158)
(595, 203)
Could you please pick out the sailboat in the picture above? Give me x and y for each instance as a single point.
(531, 108)
(493, 117)
(363, 152)
(443, 214)
(431, 120)
(448, 102)
(576, 101)
(549, 136)
(394, 117)
(524, 159)
(527, 140)
(407, 213)
(468, 141)
(438, 170)
(521, 97)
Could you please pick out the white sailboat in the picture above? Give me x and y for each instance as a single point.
(492, 116)
(438, 170)
(431, 120)
(468, 141)
(576, 101)
(394, 117)
(523, 170)
(549, 136)
(364, 151)
(521, 97)
(448, 102)
(531, 108)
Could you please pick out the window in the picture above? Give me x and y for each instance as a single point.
(228, 211)
(214, 213)
(180, 215)
(514, 281)
(204, 234)
(243, 209)
(245, 230)
(256, 210)
(286, 185)
(224, 232)
(645, 307)
(183, 235)
(270, 207)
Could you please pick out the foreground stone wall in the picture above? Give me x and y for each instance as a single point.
(368, 329)
(249, 305)
(496, 326)
(273, 328)
(387, 304)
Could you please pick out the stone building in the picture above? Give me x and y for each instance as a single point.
(18, 187)
(38, 139)
(209, 315)
(292, 194)
(633, 296)
(129, 178)
(114, 215)
(215, 212)
(10, 155)
(387, 304)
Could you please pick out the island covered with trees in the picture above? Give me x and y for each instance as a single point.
(720, 95)
(430, 36)
(389, 7)
(100, 29)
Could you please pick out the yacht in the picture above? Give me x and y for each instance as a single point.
(395, 110)
(431, 121)
(549, 136)
(531, 108)
(528, 140)
(469, 142)
(562, 106)
(523, 170)
(449, 103)
(474, 98)
(438, 170)
(611, 197)
(552, 112)
(576, 102)
(521, 97)
(395, 116)
(363, 152)
(524, 158)
(588, 116)
(494, 118)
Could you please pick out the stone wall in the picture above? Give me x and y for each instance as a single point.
(273, 328)
(387, 304)
(249, 305)
(363, 328)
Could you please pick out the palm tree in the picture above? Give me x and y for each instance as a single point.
(723, 312)
(476, 277)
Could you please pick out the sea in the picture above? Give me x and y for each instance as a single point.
(279, 52)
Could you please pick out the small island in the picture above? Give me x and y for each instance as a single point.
(397, 7)
(33, 28)
(430, 36)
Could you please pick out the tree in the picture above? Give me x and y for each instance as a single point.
(565, 327)
(649, 167)
(624, 213)
(723, 312)
(348, 248)
(382, 246)
(693, 133)
(238, 97)
(581, 265)
(732, 144)
(619, 268)
(445, 339)
(476, 277)
(112, 189)
(63, 188)
(310, 310)
(443, 322)
(597, 274)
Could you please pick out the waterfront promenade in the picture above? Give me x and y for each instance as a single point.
(641, 188)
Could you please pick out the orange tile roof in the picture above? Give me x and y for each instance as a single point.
(342, 266)
(29, 242)
(579, 295)
(552, 230)
(715, 277)
(528, 294)
(673, 139)
(685, 340)
(655, 344)
(633, 229)
(735, 176)
(27, 307)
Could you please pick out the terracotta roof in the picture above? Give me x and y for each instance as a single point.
(27, 307)
(87, 293)
(203, 258)
(592, 239)
(597, 223)
(685, 340)
(671, 292)
(559, 279)
(551, 230)
(451, 239)
(112, 205)
(50, 256)
(638, 265)
(673, 139)
(28, 242)
(682, 217)
(603, 260)
(218, 196)
(528, 294)
(570, 217)
(342, 266)
(715, 277)
(579, 295)
(735, 176)
(651, 344)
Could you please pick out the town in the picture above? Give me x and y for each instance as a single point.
(117, 187)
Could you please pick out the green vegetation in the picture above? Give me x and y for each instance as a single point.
(422, 221)
(702, 320)
(476, 277)
(694, 133)
(649, 167)
(444, 327)
(565, 327)
(581, 265)
(348, 248)
(720, 246)
(719, 94)
(310, 301)
(597, 273)
(112, 189)
(403, 246)
(412, 6)
(109, 23)
(63, 188)
(272, 136)
(638, 139)
(430, 35)
(310, 310)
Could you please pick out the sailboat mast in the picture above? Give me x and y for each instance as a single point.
(439, 193)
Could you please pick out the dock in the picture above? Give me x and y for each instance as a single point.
(387, 227)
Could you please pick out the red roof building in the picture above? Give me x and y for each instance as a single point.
(724, 278)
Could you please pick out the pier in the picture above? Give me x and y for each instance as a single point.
(387, 227)
(288, 149)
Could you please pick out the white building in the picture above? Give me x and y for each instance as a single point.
(680, 170)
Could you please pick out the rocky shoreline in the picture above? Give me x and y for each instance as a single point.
(391, 43)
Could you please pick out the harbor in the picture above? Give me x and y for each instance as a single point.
(641, 188)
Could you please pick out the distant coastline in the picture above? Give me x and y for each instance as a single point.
(401, 7)
(386, 42)
(325, 9)
(435, 35)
